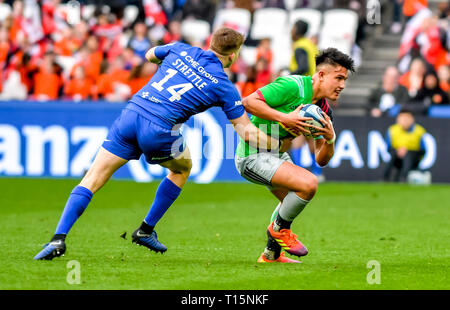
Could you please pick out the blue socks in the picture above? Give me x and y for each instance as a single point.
(80, 197)
(166, 194)
(75, 206)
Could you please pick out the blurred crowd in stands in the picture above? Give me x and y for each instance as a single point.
(421, 78)
(48, 52)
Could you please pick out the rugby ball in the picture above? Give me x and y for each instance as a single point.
(315, 112)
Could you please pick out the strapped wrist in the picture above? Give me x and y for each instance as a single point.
(332, 140)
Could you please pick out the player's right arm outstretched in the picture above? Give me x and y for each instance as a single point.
(252, 135)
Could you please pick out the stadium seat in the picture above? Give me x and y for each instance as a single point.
(5, 10)
(194, 30)
(311, 16)
(238, 19)
(340, 17)
(248, 55)
(339, 30)
(87, 11)
(268, 23)
(130, 14)
(282, 52)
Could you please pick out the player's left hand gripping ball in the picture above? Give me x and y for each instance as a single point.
(327, 131)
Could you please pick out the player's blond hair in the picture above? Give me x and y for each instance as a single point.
(226, 41)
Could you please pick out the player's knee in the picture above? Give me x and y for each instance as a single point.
(184, 169)
(310, 185)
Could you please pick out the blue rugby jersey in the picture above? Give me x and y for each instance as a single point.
(189, 81)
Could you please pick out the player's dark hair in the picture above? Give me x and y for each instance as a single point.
(334, 57)
(405, 110)
(226, 41)
(301, 27)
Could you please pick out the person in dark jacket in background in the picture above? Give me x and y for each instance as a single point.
(431, 93)
(389, 93)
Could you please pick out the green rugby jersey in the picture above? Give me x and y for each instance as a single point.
(284, 94)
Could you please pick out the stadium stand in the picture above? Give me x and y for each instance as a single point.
(236, 18)
(338, 30)
(30, 29)
(268, 23)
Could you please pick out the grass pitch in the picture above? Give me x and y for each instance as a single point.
(216, 232)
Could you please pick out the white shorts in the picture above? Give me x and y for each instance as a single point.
(259, 168)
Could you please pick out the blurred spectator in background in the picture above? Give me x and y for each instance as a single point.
(113, 83)
(173, 8)
(174, 32)
(81, 31)
(411, 7)
(48, 81)
(303, 60)
(68, 43)
(444, 78)
(406, 146)
(388, 94)
(432, 42)
(431, 93)
(248, 86)
(139, 42)
(91, 58)
(264, 51)
(263, 72)
(413, 79)
(79, 87)
(140, 75)
(5, 44)
(443, 9)
(131, 59)
(154, 13)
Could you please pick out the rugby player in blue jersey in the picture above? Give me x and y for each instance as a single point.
(189, 81)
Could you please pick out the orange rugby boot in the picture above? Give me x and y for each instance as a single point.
(288, 241)
(281, 259)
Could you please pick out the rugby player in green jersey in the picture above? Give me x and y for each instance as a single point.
(292, 185)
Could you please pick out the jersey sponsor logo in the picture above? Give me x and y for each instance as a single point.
(237, 102)
(189, 73)
(201, 70)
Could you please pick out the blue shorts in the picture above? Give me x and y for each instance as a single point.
(132, 135)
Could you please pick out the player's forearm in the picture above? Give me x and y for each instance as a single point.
(259, 108)
(324, 153)
(258, 139)
(150, 56)
(252, 135)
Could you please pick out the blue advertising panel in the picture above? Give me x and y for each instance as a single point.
(60, 139)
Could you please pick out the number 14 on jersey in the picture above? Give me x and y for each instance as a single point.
(176, 90)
